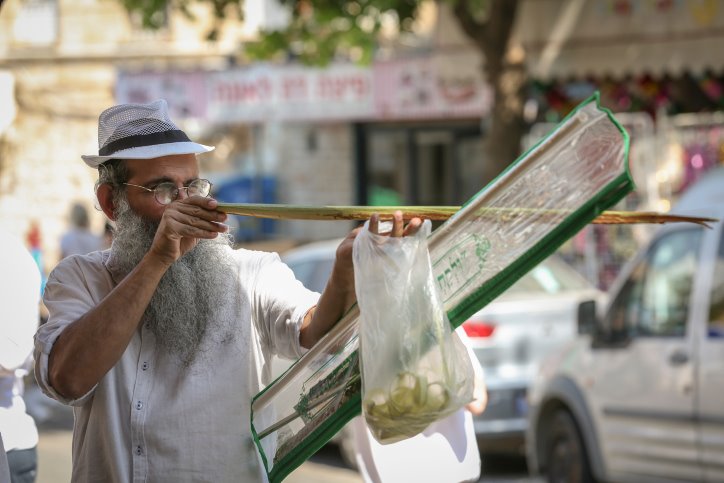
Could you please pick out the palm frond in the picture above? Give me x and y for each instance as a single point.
(439, 213)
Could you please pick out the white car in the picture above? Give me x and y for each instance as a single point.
(510, 335)
(641, 396)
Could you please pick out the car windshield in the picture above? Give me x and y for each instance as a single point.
(552, 276)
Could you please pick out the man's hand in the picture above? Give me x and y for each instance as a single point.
(183, 223)
(343, 270)
(339, 294)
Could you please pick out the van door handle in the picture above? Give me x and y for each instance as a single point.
(678, 358)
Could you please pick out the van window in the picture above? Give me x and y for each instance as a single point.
(654, 301)
(716, 307)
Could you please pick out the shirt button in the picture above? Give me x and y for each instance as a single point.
(144, 366)
(139, 405)
(138, 450)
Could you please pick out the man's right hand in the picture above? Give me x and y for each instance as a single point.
(183, 223)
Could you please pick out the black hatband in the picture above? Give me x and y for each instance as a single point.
(163, 137)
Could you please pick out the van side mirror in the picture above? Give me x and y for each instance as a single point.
(587, 322)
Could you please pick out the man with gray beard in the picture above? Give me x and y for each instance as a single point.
(187, 291)
(160, 343)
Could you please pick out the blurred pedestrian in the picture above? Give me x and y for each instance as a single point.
(34, 243)
(445, 452)
(79, 240)
(4, 469)
(19, 299)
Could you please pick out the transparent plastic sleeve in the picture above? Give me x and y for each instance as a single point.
(414, 372)
(546, 196)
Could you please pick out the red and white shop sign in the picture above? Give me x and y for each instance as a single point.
(443, 86)
(286, 93)
(185, 92)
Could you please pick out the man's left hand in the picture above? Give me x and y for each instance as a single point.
(339, 294)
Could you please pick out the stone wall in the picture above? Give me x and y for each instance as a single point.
(61, 81)
(316, 167)
(41, 172)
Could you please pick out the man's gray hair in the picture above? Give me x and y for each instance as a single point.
(113, 172)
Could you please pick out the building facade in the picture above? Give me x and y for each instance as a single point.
(407, 129)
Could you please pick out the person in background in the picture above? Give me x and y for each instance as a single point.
(34, 244)
(161, 342)
(19, 299)
(445, 452)
(4, 468)
(79, 239)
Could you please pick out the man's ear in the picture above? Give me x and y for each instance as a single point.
(105, 199)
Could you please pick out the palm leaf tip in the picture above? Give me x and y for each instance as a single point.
(440, 213)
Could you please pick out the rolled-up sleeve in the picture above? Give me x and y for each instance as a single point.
(67, 297)
(279, 304)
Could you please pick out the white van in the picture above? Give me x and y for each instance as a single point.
(639, 396)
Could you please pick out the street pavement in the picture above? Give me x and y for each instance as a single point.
(324, 467)
(55, 423)
(54, 463)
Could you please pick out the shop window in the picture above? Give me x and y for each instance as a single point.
(471, 172)
(387, 167)
(424, 165)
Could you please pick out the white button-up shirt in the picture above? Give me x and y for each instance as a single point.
(150, 420)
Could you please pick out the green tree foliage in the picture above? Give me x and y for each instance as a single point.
(321, 31)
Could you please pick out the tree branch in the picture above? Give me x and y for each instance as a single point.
(491, 36)
(498, 34)
(472, 28)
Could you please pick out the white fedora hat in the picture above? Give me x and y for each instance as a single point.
(140, 131)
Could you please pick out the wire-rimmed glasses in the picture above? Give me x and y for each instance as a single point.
(167, 191)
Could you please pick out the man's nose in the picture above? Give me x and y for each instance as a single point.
(183, 193)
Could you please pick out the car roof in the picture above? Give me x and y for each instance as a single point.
(319, 249)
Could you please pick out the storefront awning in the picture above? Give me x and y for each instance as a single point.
(606, 38)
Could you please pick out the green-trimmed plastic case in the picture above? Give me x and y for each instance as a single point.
(544, 198)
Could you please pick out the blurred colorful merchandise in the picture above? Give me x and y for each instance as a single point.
(677, 130)
(698, 158)
(33, 240)
(674, 95)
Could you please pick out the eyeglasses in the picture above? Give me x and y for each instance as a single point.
(167, 192)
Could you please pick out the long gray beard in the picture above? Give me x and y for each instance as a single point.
(183, 311)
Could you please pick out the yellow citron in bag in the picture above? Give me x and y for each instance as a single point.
(408, 405)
